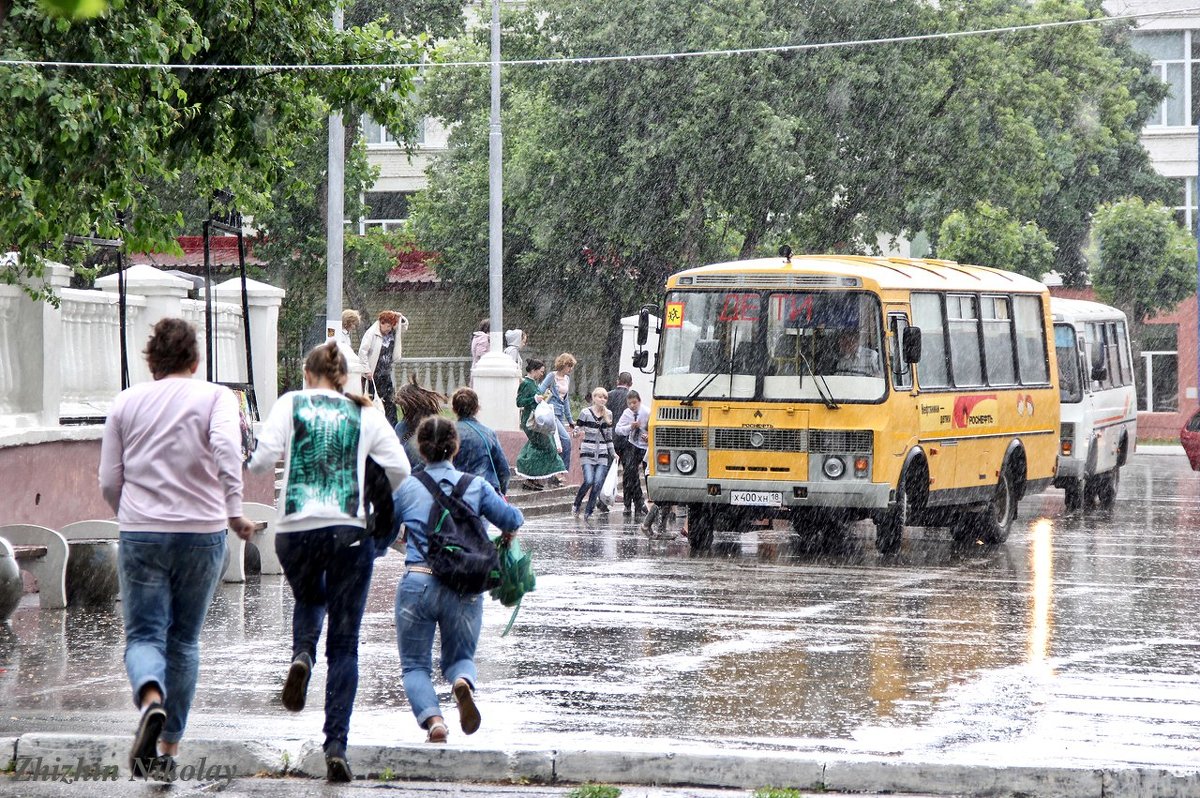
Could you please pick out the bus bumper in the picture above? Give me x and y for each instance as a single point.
(1069, 469)
(690, 490)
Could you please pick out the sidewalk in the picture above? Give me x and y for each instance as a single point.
(212, 762)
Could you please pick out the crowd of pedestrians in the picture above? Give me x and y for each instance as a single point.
(171, 468)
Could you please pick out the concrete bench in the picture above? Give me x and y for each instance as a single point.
(43, 553)
(92, 568)
(263, 540)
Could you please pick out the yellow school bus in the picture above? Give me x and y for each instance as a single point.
(837, 388)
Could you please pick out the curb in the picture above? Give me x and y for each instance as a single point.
(734, 769)
(1158, 451)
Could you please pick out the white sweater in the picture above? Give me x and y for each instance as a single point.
(171, 459)
(325, 439)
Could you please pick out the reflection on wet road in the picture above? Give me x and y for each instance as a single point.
(1075, 643)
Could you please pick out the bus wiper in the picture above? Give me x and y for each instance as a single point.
(819, 381)
(695, 392)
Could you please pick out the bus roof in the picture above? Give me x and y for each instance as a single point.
(808, 271)
(1064, 309)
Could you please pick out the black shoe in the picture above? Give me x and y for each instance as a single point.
(164, 768)
(530, 485)
(145, 741)
(337, 770)
(295, 689)
(468, 713)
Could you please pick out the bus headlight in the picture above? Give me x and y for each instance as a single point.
(834, 467)
(685, 462)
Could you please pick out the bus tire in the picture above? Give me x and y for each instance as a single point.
(889, 527)
(1073, 491)
(996, 521)
(700, 527)
(1106, 492)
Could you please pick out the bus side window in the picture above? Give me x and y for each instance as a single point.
(901, 370)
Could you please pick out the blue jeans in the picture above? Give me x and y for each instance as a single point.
(565, 437)
(423, 604)
(593, 480)
(329, 570)
(167, 584)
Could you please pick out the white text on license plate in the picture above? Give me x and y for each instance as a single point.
(755, 498)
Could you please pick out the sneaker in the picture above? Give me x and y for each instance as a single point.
(164, 768)
(575, 511)
(468, 713)
(145, 740)
(295, 688)
(531, 485)
(602, 507)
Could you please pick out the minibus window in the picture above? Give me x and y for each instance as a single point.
(966, 359)
(928, 317)
(1031, 340)
(1069, 388)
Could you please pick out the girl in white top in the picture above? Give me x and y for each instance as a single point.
(325, 438)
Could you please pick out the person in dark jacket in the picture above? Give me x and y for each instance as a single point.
(479, 449)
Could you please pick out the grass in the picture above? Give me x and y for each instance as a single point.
(387, 775)
(777, 792)
(594, 791)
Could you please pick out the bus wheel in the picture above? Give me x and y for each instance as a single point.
(1074, 494)
(996, 520)
(700, 527)
(1106, 493)
(889, 527)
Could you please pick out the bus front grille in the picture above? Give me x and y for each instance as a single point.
(679, 437)
(827, 441)
(767, 440)
(678, 414)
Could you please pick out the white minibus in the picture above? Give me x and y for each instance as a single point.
(1099, 406)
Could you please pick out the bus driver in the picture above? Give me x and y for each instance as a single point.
(854, 358)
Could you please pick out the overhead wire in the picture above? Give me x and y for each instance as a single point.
(601, 59)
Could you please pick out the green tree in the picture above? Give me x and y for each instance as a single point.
(1145, 262)
(84, 143)
(618, 173)
(989, 236)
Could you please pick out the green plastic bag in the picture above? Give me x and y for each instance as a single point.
(516, 578)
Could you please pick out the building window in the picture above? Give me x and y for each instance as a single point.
(384, 210)
(376, 135)
(1158, 369)
(1174, 60)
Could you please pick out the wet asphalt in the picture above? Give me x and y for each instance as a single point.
(1074, 644)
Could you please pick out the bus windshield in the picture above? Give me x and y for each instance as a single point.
(811, 346)
(1070, 388)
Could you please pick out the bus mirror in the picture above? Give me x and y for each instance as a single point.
(912, 344)
(640, 359)
(1100, 373)
(643, 328)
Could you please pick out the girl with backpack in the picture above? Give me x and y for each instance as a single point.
(325, 438)
(424, 603)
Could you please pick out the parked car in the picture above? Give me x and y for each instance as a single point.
(1189, 436)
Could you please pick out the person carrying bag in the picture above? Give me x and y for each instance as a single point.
(443, 583)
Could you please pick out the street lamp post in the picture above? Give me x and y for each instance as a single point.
(335, 214)
(495, 376)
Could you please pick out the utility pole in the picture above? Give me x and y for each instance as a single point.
(335, 213)
(496, 376)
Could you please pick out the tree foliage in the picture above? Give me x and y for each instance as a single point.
(989, 236)
(83, 143)
(1146, 263)
(617, 173)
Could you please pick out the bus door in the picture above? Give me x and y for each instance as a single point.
(935, 406)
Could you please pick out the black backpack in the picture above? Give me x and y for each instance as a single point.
(460, 554)
(381, 511)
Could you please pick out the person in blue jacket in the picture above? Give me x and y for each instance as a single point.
(423, 604)
(479, 451)
(558, 383)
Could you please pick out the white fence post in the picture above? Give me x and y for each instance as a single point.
(264, 301)
(163, 293)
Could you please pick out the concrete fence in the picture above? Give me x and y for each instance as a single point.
(63, 364)
(445, 374)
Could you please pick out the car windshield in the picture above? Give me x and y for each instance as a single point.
(812, 346)
(1069, 386)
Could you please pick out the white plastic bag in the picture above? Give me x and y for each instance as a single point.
(543, 420)
(608, 491)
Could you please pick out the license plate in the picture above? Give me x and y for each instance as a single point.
(755, 498)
